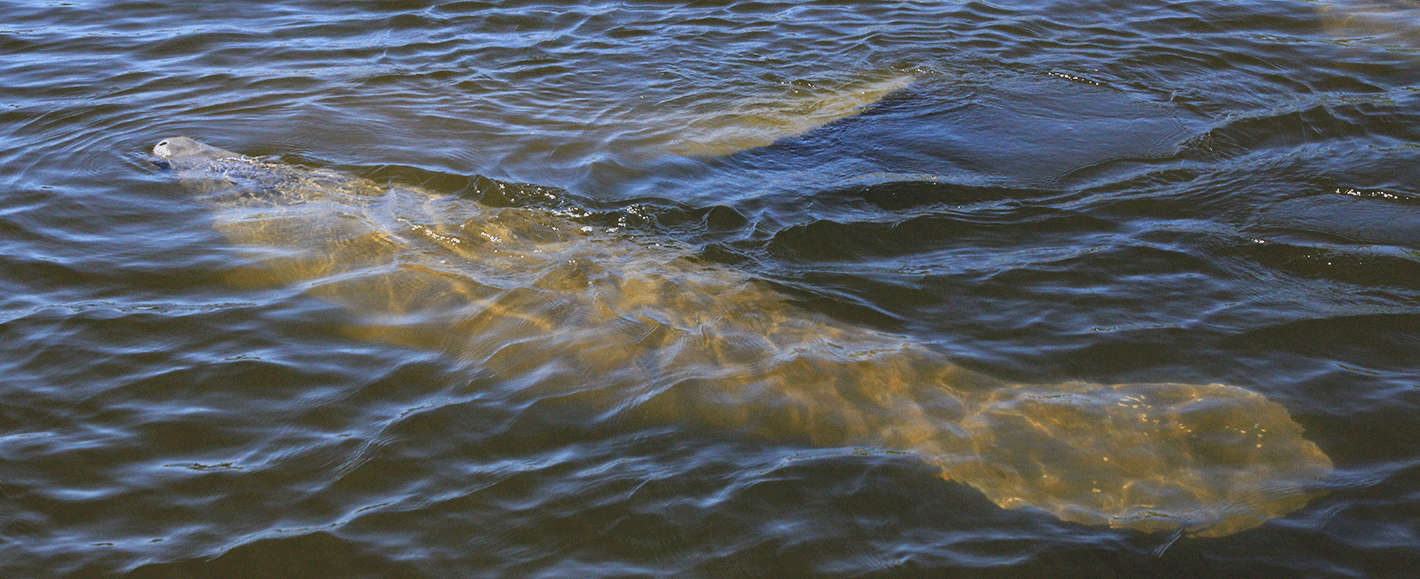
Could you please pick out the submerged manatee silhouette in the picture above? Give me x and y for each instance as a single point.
(548, 307)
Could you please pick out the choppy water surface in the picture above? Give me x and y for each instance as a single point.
(721, 289)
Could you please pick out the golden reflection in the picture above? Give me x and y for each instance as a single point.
(641, 331)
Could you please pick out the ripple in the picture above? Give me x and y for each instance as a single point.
(1111, 192)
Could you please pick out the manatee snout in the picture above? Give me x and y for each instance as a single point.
(171, 147)
(186, 151)
(161, 152)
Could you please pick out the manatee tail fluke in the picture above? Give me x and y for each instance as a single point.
(1210, 459)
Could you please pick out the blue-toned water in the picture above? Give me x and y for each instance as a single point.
(832, 230)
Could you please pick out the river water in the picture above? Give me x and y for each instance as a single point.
(1043, 193)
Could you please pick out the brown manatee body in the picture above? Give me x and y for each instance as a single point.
(548, 307)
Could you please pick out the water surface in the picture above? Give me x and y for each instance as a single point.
(1041, 193)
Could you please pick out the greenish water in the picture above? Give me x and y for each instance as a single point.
(882, 219)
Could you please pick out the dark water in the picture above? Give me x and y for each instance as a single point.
(1110, 192)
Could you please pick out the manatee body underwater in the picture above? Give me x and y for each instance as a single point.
(640, 330)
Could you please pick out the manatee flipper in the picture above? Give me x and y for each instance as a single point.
(760, 121)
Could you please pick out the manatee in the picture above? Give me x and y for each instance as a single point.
(632, 329)
(1381, 22)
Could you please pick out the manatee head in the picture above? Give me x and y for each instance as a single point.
(179, 152)
(220, 176)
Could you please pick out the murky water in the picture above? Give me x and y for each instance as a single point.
(730, 288)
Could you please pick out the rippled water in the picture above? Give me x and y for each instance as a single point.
(1039, 193)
